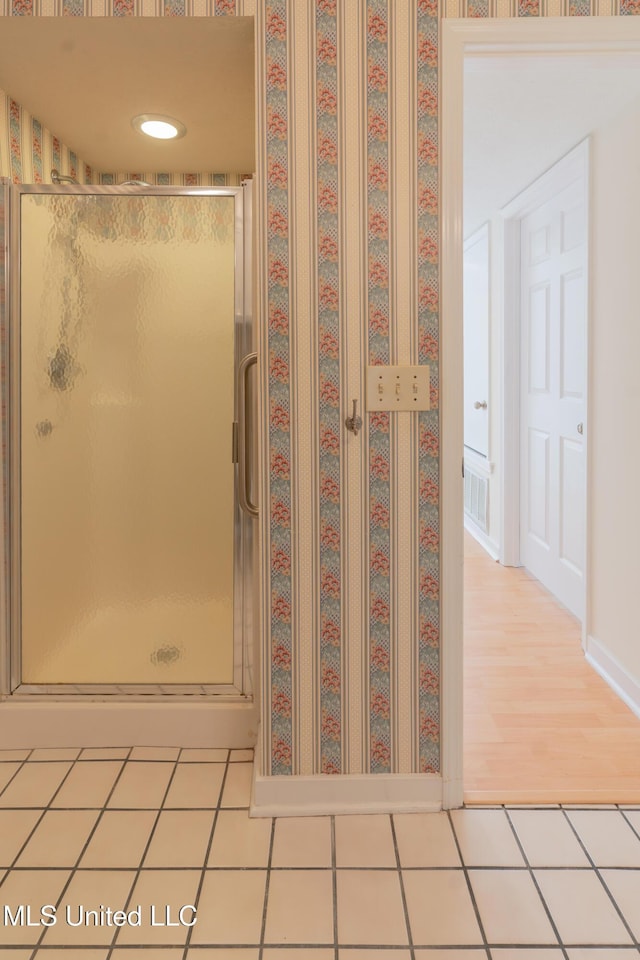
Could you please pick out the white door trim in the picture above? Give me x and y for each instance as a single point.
(480, 357)
(459, 38)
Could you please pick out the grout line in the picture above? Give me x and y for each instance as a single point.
(21, 764)
(601, 879)
(203, 869)
(537, 886)
(132, 809)
(470, 888)
(520, 947)
(464, 947)
(146, 849)
(125, 750)
(44, 810)
(307, 868)
(39, 820)
(98, 949)
(523, 948)
(635, 830)
(81, 759)
(263, 925)
(402, 890)
(87, 841)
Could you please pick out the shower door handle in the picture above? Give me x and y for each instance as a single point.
(245, 438)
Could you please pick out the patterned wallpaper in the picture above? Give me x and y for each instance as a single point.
(328, 366)
(348, 272)
(28, 150)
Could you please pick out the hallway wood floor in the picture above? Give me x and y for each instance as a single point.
(540, 725)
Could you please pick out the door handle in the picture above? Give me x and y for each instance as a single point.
(580, 428)
(480, 405)
(245, 436)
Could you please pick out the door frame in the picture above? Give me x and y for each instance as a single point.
(460, 38)
(483, 233)
(226, 714)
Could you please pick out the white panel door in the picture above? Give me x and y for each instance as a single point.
(476, 341)
(553, 337)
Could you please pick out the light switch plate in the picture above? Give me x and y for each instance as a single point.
(398, 388)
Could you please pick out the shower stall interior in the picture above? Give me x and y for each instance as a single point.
(129, 507)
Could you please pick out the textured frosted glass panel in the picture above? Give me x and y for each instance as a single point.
(127, 342)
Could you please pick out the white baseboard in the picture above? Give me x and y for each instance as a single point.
(452, 794)
(347, 794)
(322, 795)
(612, 672)
(483, 539)
(99, 724)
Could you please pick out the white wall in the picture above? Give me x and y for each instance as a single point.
(614, 468)
(613, 638)
(496, 320)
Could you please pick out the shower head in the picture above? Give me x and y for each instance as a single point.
(57, 177)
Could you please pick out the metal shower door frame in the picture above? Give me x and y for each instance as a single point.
(11, 686)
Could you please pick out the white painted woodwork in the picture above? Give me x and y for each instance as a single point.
(476, 341)
(614, 459)
(553, 305)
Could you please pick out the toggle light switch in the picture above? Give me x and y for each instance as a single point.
(398, 388)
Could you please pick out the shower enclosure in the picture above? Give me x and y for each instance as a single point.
(130, 444)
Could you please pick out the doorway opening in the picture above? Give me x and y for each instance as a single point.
(540, 724)
(131, 561)
(129, 540)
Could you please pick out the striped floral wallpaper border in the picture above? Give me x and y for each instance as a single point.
(14, 124)
(208, 8)
(428, 320)
(282, 651)
(329, 338)
(538, 8)
(378, 309)
(175, 179)
(119, 8)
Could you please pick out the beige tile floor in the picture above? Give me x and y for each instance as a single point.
(138, 829)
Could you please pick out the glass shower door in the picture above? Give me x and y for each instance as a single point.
(129, 524)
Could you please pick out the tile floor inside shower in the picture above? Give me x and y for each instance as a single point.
(131, 829)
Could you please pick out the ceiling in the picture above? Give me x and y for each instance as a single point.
(85, 78)
(522, 113)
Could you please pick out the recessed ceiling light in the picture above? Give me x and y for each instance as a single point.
(159, 127)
